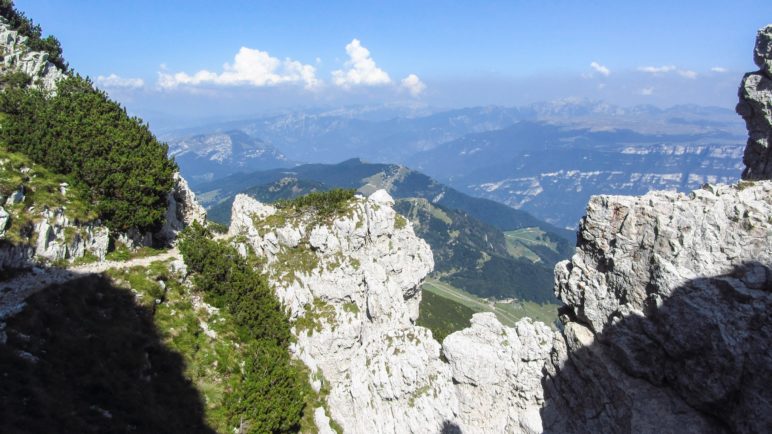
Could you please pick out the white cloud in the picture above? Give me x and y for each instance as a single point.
(116, 81)
(657, 69)
(360, 69)
(646, 91)
(719, 69)
(250, 67)
(600, 68)
(413, 84)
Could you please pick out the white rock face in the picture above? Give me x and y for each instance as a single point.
(4, 216)
(52, 237)
(54, 243)
(183, 209)
(637, 250)
(498, 372)
(18, 57)
(351, 283)
(667, 323)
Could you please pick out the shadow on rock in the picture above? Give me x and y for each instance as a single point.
(698, 362)
(449, 427)
(84, 357)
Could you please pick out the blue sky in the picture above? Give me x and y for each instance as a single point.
(169, 55)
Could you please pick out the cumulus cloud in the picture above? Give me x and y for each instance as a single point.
(360, 69)
(719, 69)
(657, 69)
(646, 91)
(687, 73)
(600, 69)
(116, 81)
(250, 67)
(413, 84)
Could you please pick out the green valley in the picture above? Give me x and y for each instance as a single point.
(446, 309)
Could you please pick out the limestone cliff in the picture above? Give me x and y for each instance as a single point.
(667, 315)
(351, 284)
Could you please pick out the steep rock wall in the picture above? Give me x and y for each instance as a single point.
(667, 315)
(351, 284)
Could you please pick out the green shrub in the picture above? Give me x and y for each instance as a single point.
(217, 228)
(15, 80)
(324, 203)
(399, 222)
(270, 394)
(81, 132)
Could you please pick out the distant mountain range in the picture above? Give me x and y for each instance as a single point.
(205, 157)
(551, 171)
(389, 135)
(545, 158)
(475, 241)
(398, 180)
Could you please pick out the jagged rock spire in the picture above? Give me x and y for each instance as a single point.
(755, 107)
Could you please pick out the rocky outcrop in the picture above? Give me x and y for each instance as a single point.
(755, 107)
(15, 55)
(497, 374)
(53, 236)
(634, 251)
(59, 239)
(666, 317)
(351, 283)
(182, 210)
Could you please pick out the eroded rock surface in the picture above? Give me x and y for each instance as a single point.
(755, 107)
(497, 373)
(666, 323)
(182, 209)
(351, 283)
